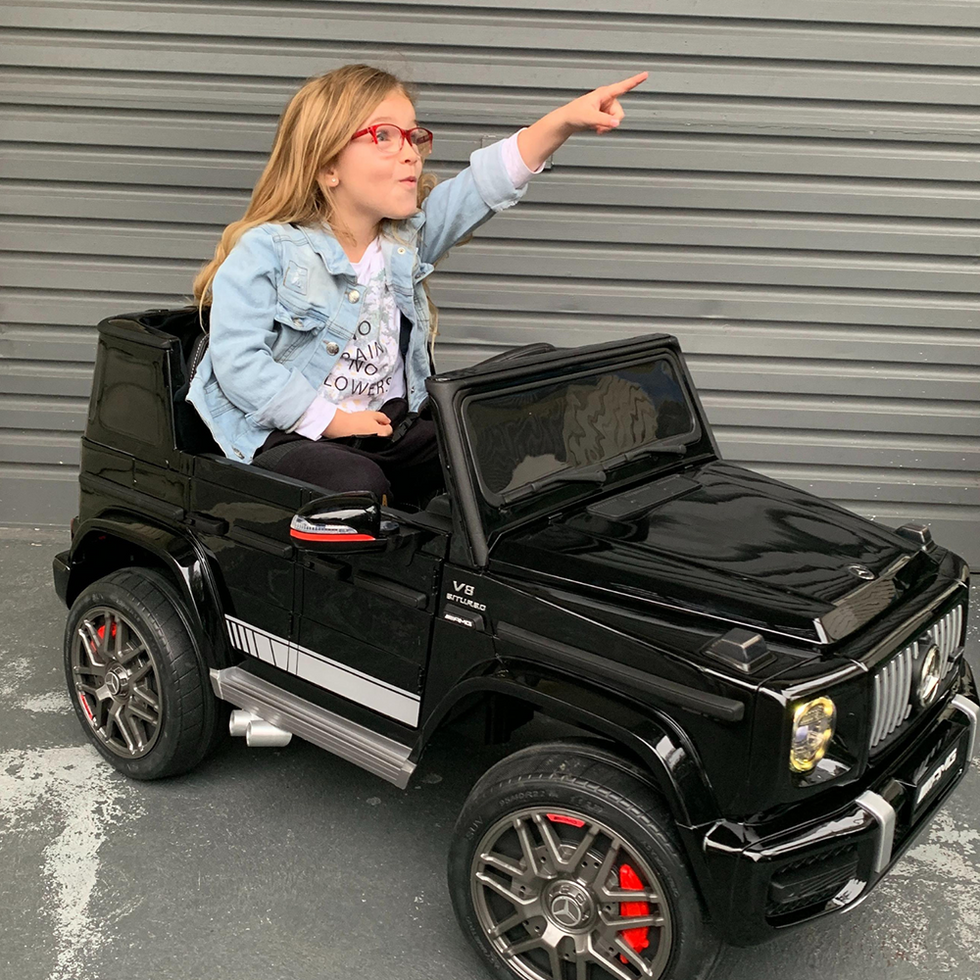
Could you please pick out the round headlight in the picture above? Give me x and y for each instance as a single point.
(813, 728)
(930, 672)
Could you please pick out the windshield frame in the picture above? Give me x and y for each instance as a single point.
(506, 498)
(477, 525)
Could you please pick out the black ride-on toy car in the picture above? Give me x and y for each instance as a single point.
(766, 694)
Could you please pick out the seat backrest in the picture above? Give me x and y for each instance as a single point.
(193, 436)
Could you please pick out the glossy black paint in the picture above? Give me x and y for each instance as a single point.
(738, 547)
(593, 603)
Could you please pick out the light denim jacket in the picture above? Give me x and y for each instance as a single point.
(286, 303)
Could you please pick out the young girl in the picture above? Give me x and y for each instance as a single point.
(320, 327)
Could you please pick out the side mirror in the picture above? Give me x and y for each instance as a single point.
(342, 523)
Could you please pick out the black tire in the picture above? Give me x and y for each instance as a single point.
(145, 700)
(504, 818)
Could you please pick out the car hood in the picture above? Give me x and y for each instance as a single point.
(734, 545)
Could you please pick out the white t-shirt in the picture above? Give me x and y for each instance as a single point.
(371, 370)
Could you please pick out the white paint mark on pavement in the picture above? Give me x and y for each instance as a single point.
(15, 671)
(57, 702)
(76, 789)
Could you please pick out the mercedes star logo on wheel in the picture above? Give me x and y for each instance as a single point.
(566, 911)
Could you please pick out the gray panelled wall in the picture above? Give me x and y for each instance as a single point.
(794, 193)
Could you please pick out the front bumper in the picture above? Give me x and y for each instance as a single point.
(780, 879)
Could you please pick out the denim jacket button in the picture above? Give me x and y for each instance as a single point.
(239, 454)
(401, 251)
(353, 295)
(332, 348)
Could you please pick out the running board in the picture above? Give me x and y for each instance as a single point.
(355, 743)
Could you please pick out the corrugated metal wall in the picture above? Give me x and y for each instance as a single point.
(794, 194)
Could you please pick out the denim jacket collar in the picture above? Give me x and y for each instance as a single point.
(325, 244)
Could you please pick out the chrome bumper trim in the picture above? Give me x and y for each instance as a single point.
(972, 711)
(884, 814)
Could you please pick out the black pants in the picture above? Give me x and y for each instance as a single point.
(406, 471)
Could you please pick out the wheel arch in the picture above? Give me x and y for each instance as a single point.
(117, 540)
(657, 748)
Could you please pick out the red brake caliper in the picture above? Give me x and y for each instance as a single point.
(629, 880)
(101, 631)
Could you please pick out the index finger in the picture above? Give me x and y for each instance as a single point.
(619, 88)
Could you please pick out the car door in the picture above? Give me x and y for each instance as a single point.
(365, 624)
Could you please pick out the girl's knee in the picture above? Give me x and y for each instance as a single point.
(361, 474)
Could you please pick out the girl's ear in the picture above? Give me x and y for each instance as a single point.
(328, 177)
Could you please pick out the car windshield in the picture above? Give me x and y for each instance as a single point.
(576, 428)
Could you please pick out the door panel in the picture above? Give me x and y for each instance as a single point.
(366, 631)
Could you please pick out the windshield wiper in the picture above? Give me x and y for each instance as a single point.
(596, 473)
(651, 450)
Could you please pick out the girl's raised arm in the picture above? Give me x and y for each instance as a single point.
(459, 205)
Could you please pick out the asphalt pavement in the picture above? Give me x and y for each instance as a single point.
(291, 864)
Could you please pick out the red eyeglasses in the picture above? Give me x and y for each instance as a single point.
(390, 138)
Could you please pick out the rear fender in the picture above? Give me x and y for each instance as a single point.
(116, 540)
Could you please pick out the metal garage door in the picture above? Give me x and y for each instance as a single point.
(794, 194)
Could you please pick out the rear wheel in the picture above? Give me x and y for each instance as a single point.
(137, 683)
(564, 867)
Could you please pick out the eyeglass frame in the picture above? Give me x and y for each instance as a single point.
(373, 130)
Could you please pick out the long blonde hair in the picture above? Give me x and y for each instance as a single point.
(314, 127)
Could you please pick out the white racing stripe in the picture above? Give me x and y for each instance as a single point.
(336, 677)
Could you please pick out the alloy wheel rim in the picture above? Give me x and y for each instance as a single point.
(116, 682)
(548, 888)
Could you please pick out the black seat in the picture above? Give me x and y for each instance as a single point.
(193, 436)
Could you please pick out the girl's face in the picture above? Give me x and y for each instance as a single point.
(370, 184)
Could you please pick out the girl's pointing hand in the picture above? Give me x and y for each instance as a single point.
(600, 109)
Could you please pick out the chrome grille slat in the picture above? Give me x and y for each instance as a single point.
(896, 706)
(902, 693)
(893, 682)
(879, 702)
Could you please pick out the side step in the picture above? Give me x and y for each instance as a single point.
(355, 743)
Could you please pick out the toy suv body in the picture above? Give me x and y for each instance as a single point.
(766, 694)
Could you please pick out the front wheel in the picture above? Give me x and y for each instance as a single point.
(564, 867)
(136, 681)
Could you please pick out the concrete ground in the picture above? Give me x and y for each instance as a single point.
(290, 863)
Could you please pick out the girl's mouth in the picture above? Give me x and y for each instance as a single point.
(409, 180)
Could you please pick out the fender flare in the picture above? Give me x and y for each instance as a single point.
(189, 569)
(669, 764)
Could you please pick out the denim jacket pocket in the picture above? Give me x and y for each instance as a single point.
(216, 401)
(295, 328)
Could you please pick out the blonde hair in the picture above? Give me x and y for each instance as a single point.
(314, 128)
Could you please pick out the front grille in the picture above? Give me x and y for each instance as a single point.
(893, 683)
